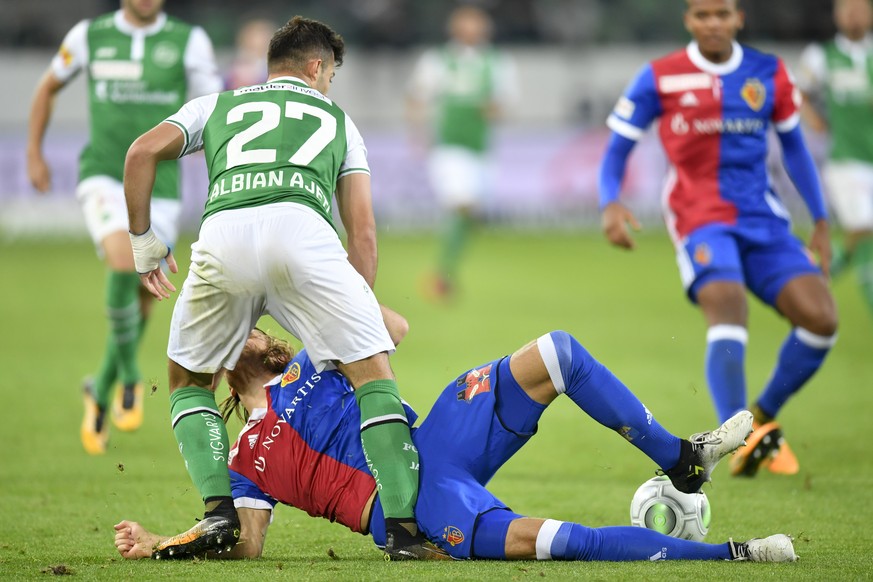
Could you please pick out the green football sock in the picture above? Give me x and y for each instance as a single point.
(392, 458)
(104, 381)
(202, 439)
(122, 308)
(862, 260)
(840, 259)
(456, 233)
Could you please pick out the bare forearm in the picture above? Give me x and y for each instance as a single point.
(40, 114)
(163, 142)
(363, 255)
(139, 179)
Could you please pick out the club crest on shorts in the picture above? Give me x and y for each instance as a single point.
(292, 375)
(754, 94)
(453, 535)
(477, 382)
(702, 254)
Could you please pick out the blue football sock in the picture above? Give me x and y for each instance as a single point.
(725, 368)
(602, 396)
(801, 356)
(572, 541)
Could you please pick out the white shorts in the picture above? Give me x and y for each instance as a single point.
(458, 176)
(282, 260)
(850, 190)
(102, 200)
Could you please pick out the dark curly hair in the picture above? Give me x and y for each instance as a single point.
(300, 40)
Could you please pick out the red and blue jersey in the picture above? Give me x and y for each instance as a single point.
(305, 449)
(714, 120)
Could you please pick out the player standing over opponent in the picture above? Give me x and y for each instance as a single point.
(838, 76)
(460, 90)
(142, 65)
(275, 153)
(716, 99)
(303, 430)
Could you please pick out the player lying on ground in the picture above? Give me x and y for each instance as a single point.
(301, 446)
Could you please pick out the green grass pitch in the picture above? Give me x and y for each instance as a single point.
(58, 505)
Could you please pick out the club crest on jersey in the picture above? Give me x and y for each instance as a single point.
(453, 535)
(166, 54)
(754, 94)
(477, 382)
(702, 254)
(292, 375)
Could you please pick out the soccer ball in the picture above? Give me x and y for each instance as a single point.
(657, 505)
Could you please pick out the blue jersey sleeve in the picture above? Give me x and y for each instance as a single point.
(637, 108)
(612, 168)
(801, 168)
(246, 494)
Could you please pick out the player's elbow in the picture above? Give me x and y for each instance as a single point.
(139, 153)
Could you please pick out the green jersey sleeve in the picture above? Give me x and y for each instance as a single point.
(191, 120)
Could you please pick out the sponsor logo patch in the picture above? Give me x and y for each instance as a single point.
(624, 108)
(686, 82)
(688, 100)
(754, 94)
(292, 375)
(66, 55)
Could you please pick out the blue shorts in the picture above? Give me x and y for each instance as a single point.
(461, 444)
(763, 255)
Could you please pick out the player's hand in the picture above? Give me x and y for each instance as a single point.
(39, 173)
(156, 281)
(133, 541)
(615, 220)
(148, 252)
(820, 245)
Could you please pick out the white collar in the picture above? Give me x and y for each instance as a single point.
(707, 66)
(127, 28)
(289, 78)
(257, 414)
(854, 48)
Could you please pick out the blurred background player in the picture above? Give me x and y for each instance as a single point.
(301, 447)
(249, 65)
(268, 245)
(716, 100)
(142, 65)
(837, 80)
(456, 93)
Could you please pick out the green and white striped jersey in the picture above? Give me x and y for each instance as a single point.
(136, 78)
(840, 73)
(281, 141)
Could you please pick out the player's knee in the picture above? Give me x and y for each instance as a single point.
(827, 320)
(820, 319)
(557, 350)
(561, 540)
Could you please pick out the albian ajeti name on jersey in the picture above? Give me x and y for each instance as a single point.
(270, 179)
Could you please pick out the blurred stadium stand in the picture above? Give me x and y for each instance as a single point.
(574, 58)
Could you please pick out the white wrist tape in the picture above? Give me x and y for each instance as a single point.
(148, 251)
